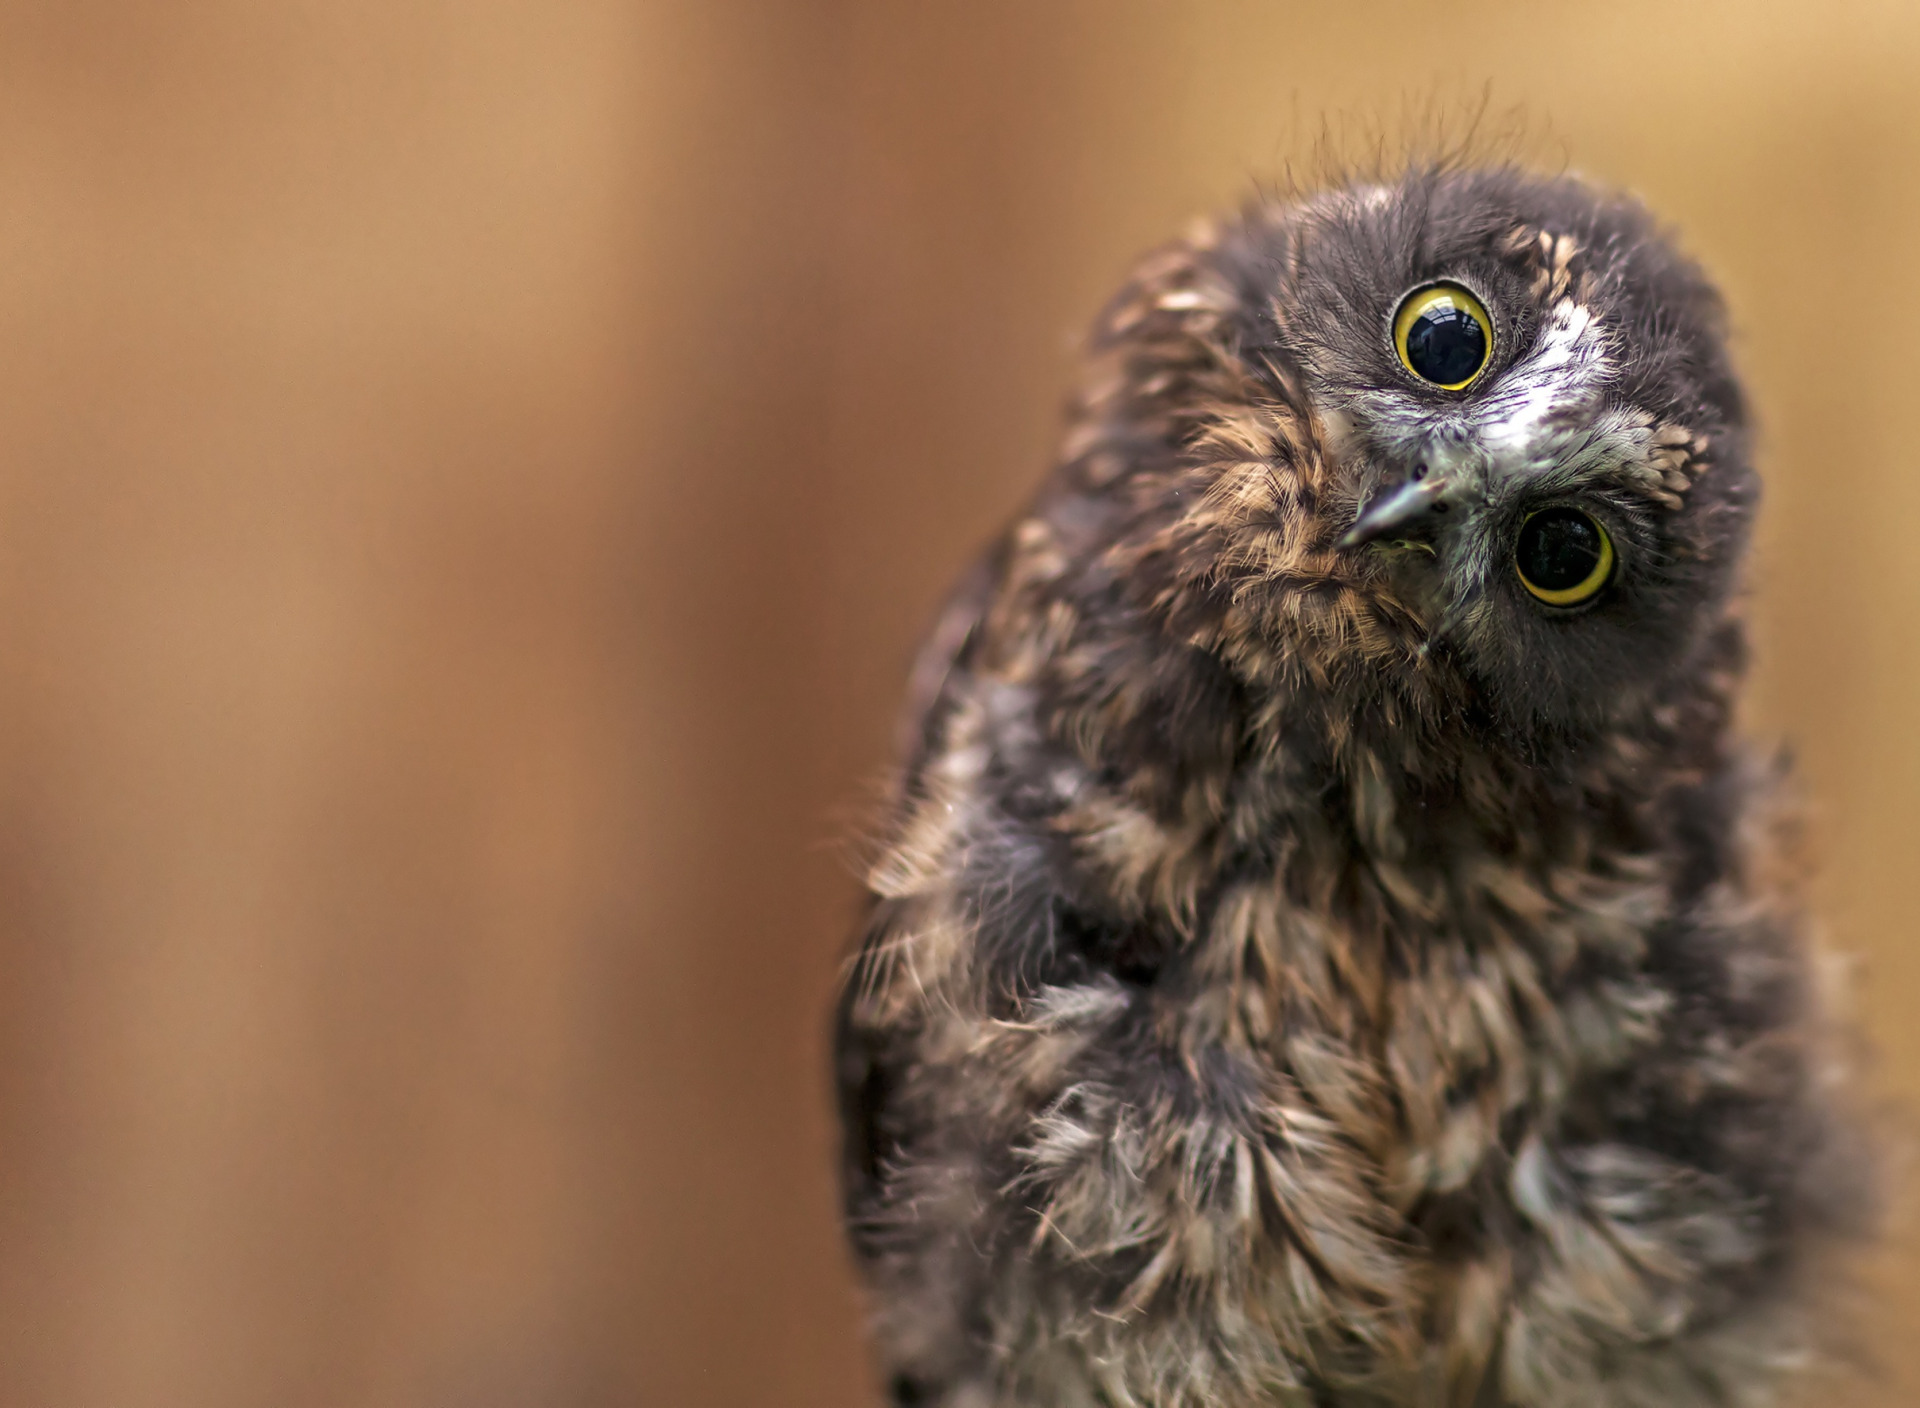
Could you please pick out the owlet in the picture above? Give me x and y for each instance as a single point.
(1330, 946)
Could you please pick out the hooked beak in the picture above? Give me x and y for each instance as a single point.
(1396, 509)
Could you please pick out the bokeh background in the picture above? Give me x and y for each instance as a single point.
(470, 478)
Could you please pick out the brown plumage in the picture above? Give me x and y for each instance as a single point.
(1323, 954)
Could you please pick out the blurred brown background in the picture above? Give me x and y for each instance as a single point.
(470, 475)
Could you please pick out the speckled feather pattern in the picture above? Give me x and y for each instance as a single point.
(1298, 975)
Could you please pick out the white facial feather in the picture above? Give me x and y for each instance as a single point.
(1522, 423)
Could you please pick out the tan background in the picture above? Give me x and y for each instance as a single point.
(470, 474)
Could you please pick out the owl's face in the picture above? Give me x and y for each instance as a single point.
(1537, 443)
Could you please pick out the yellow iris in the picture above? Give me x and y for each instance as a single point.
(1443, 335)
(1564, 557)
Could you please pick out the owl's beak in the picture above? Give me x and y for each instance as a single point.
(1396, 509)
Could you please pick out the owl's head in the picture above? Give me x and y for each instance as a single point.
(1469, 422)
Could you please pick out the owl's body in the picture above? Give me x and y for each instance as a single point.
(1312, 961)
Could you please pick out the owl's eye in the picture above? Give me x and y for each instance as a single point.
(1443, 335)
(1563, 556)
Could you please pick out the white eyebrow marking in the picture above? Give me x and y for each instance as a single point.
(1522, 420)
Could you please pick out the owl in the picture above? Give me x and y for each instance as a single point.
(1331, 945)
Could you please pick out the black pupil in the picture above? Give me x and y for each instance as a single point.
(1446, 344)
(1559, 548)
